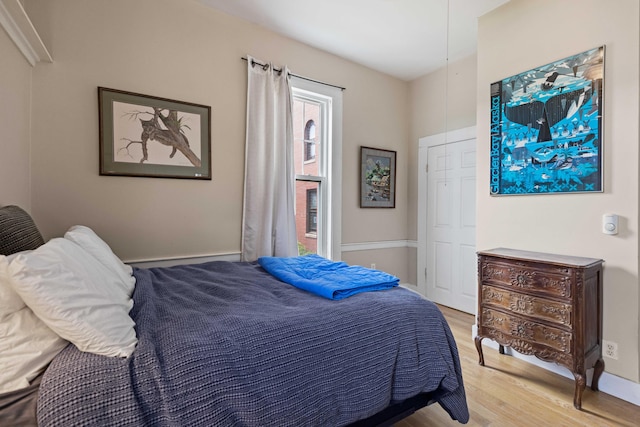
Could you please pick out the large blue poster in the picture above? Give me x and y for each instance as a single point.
(546, 128)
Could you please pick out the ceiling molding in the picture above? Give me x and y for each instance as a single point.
(18, 26)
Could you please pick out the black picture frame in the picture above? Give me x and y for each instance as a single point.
(149, 136)
(377, 178)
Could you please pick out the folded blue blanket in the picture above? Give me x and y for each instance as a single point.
(326, 278)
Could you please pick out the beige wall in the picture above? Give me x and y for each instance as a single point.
(181, 50)
(571, 223)
(15, 114)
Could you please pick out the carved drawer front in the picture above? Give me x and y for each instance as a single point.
(555, 281)
(528, 305)
(528, 347)
(527, 330)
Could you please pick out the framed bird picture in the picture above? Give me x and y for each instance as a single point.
(546, 128)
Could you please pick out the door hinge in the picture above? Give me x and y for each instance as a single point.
(426, 167)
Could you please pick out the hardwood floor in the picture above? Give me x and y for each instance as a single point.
(511, 392)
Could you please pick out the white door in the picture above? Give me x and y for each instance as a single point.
(448, 215)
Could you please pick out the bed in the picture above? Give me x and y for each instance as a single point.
(228, 344)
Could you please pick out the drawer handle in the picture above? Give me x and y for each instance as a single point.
(522, 302)
(521, 330)
(522, 279)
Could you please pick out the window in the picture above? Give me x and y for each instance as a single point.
(310, 141)
(317, 129)
(312, 210)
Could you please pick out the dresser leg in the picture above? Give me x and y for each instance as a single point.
(478, 341)
(598, 369)
(581, 382)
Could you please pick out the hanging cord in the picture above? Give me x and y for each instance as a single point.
(446, 78)
(446, 98)
(279, 70)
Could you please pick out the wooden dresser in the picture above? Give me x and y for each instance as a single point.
(545, 305)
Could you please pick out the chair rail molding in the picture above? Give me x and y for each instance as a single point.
(387, 244)
(18, 26)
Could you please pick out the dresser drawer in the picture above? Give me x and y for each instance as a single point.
(552, 281)
(525, 329)
(553, 311)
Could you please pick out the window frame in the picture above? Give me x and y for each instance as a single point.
(329, 225)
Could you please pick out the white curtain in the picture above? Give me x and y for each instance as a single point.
(268, 220)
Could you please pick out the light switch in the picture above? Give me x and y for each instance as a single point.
(610, 224)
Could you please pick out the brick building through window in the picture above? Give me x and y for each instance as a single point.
(306, 137)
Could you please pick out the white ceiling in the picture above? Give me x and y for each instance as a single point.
(403, 38)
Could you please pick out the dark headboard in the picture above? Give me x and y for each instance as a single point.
(18, 232)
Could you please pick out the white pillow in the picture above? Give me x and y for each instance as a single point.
(10, 301)
(89, 241)
(27, 345)
(76, 296)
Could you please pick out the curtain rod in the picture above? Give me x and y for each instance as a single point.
(254, 62)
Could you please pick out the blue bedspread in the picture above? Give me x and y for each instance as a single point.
(226, 344)
(326, 278)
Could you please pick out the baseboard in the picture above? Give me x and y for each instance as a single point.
(411, 287)
(613, 385)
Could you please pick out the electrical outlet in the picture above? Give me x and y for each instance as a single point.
(373, 266)
(610, 349)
